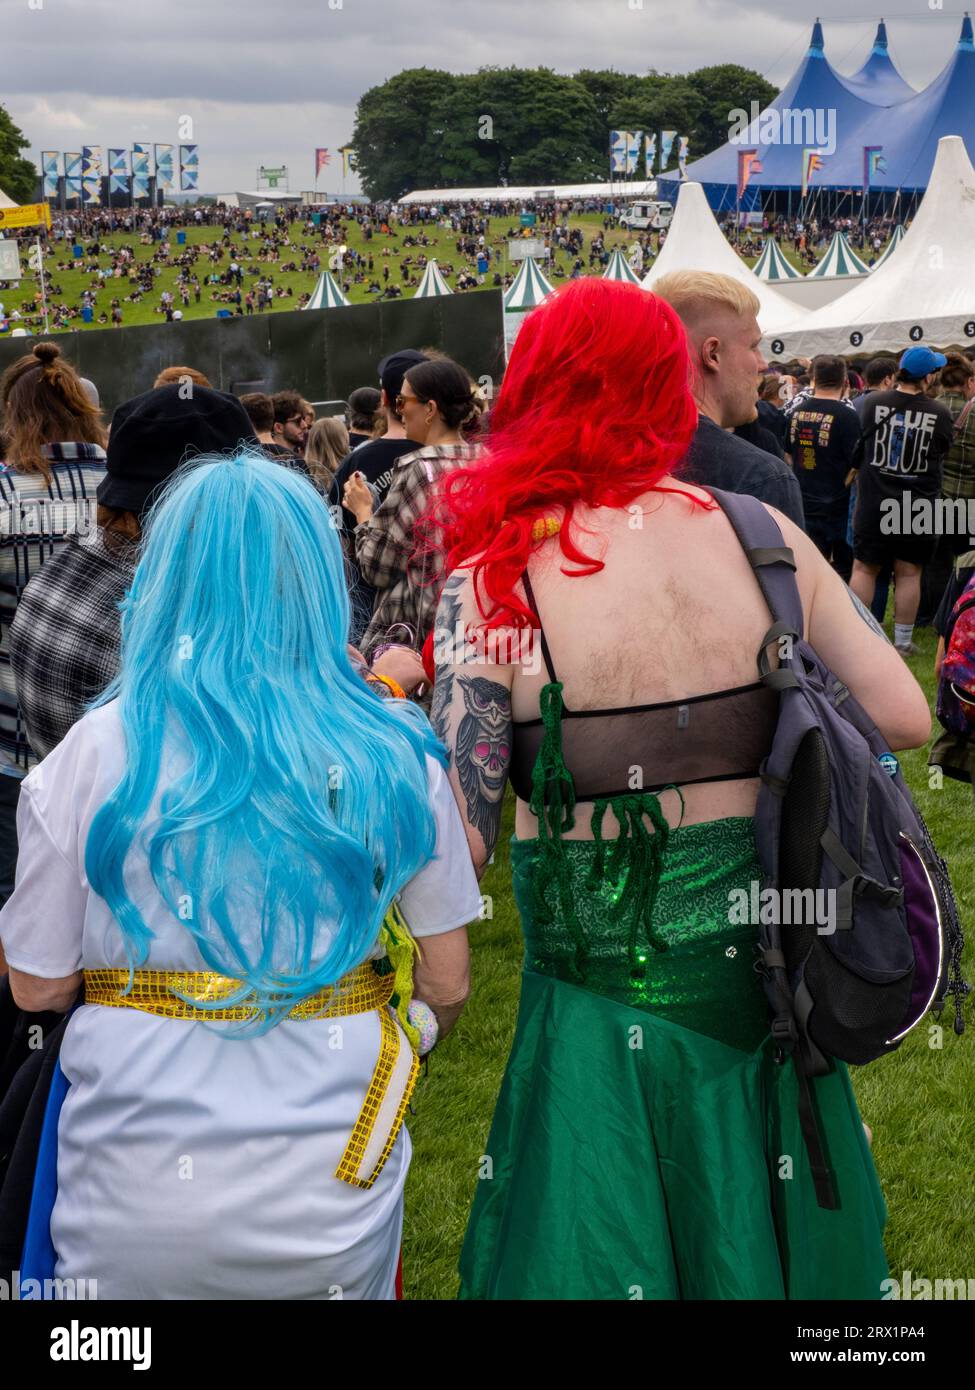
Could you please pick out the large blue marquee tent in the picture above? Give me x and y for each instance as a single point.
(873, 108)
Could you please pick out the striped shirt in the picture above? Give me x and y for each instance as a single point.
(37, 514)
(958, 479)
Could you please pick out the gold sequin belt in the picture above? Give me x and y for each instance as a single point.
(361, 991)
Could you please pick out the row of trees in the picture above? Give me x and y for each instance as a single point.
(429, 129)
(18, 176)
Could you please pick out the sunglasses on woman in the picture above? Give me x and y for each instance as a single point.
(407, 400)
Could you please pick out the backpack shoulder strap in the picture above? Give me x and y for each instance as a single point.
(771, 559)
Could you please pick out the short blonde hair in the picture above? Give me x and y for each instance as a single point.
(689, 292)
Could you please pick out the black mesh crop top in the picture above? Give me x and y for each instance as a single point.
(717, 737)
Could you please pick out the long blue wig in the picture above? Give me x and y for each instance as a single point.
(300, 800)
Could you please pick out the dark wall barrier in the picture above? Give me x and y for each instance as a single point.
(323, 353)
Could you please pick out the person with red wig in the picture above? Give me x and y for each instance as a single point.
(596, 647)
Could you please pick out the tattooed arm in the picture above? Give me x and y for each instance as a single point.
(471, 715)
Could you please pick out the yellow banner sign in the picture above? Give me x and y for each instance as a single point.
(30, 215)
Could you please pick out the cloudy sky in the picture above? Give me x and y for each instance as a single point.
(266, 81)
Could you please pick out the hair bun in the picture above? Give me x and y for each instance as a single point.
(46, 352)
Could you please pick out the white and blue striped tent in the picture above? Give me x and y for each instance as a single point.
(432, 284)
(840, 261)
(326, 294)
(891, 247)
(527, 290)
(772, 264)
(619, 268)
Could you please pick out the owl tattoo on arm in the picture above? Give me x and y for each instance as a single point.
(482, 752)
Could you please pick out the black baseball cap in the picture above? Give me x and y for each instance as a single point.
(154, 433)
(393, 369)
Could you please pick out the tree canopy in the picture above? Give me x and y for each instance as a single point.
(18, 176)
(429, 129)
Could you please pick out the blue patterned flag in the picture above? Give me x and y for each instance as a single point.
(118, 171)
(189, 168)
(50, 169)
(650, 154)
(72, 173)
(165, 168)
(91, 175)
(667, 138)
(140, 171)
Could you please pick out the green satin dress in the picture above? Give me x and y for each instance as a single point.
(646, 1144)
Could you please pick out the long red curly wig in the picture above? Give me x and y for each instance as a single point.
(595, 409)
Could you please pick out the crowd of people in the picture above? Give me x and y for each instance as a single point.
(239, 270)
(265, 681)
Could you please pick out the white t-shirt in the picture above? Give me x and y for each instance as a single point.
(190, 1164)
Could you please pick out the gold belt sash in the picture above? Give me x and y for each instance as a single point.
(361, 991)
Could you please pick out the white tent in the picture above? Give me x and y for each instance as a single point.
(696, 242)
(326, 294)
(924, 294)
(619, 268)
(6, 202)
(433, 283)
(840, 260)
(773, 265)
(527, 290)
(891, 247)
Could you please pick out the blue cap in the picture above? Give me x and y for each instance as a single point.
(918, 362)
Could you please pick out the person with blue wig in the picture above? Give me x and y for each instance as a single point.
(254, 869)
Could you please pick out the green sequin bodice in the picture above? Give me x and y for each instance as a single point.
(644, 918)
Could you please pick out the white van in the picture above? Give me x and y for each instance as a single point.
(640, 216)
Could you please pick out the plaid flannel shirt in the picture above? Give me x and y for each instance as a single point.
(408, 592)
(37, 515)
(958, 479)
(64, 641)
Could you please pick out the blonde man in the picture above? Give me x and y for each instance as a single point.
(720, 316)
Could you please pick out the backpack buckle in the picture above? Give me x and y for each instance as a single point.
(784, 1029)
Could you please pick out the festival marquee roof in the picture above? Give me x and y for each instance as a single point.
(772, 264)
(619, 268)
(925, 293)
(326, 294)
(695, 242)
(433, 284)
(870, 110)
(840, 261)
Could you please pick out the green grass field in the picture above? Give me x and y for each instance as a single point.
(919, 1101)
(443, 248)
(72, 282)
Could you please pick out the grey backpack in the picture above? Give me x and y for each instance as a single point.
(859, 937)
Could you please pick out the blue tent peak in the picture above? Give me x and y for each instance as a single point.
(816, 45)
(880, 42)
(966, 43)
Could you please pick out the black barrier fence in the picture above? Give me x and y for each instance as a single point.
(322, 353)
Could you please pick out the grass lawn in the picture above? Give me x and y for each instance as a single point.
(72, 282)
(444, 249)
(919, 1101)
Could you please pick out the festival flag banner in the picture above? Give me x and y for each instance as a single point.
(633, 146)
(91, 175)
(667, 138)
(140, 171)
(51, 171)
(165, 168)
(322, 159)
(189, 168)
(649, 154)
(618, 142)
(72, 173)
(348, 159)
(873, 163)
(118, 171)
(811, 161)
(748, 164)
(682, 147)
